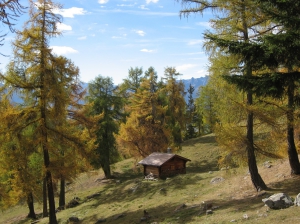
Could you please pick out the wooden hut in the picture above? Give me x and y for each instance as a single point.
(163, 165)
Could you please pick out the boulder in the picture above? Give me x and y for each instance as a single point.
(297, 200)
(278, 201)
(217, 180)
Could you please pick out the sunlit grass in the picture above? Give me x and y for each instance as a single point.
(124, 198)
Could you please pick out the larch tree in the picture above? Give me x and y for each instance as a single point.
(240, 21)
(277, 55)
(133, 80)
(175, 102)
(145, 130)
(52, 92)
(18, 172)
(107, 103)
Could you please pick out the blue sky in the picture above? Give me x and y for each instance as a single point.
(107, 37)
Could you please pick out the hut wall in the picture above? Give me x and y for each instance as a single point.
(153, 169)
(173, 167)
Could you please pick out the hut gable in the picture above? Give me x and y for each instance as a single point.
(164, 164)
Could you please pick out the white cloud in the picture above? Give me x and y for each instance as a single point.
(126, 5)
(149, 1)
(71, 12)
(185, 67)
(202, 73)
(102, 1)
(82, 38)
(62, 27)
(63, 50)
(148, 51)
(119, 37)
(143, 7)
(195, 42)
(205, 24)
(140, 32)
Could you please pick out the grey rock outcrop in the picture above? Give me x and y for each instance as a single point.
(278, 201)
(297, 200)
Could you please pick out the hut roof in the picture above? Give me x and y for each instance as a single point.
(158, 159)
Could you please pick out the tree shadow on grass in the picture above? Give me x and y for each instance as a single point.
(290, 186)
(177, 213)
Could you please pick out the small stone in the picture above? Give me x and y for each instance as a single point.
(233, 220)
(217, 180)
(245, 216)
(209, 212)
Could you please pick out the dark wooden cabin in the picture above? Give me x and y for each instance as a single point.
(163, 165)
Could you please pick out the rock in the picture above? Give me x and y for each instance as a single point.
(267, 164)
(233, 220)
(217, 180)
(73, 219)
(245, 216)
(297, 200)
(278, 201)
(210, 172)
(209, 212)
(100, 221)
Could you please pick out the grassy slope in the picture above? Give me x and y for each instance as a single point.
(124, 199)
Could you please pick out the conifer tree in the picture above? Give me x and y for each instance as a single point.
(145, 130)
(235, 20)
(105, 101)
(277, 51)
(190, 114)
(52, 93)
(175, 103)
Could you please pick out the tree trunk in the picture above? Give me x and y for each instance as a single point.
(45, 200)
(62, 195)
(52, 214)
(30, 204)
(292, 151)
(106, 168)
(256, 179)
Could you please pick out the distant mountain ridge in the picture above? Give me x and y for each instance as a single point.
(195, 82)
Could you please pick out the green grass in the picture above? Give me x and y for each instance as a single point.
(123, 199)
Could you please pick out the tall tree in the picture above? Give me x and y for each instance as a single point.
(190, 114)
(235, 20)
(145, 130)
(277, 51)
(174, 93)
(106, 102)
(51, 86)
(206, 107)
